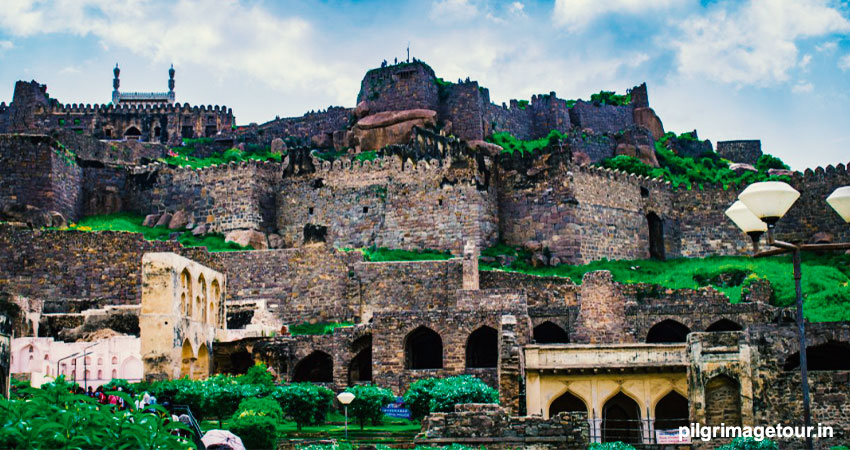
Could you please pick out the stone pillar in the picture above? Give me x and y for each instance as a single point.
(470, 266)
(509, 364)
(602, 314)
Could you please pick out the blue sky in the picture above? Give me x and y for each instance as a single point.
(775, 70)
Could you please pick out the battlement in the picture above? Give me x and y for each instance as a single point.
(136, 108)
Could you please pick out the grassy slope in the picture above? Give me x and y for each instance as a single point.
(826, 278)
(133, 223)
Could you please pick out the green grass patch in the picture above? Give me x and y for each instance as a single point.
(316, 329)
(184, 156)
(510, 144)
(369, 155)
(382, 254)
(133, 224)
(826, 277)
(330, 155)
(694, 172)
(610, 98)
(522, 104)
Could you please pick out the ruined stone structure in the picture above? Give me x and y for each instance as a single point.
(573, 363)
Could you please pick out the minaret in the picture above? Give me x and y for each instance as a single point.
(115, 83)
(171, 84)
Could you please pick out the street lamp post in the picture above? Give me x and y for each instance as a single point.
(63, 359)
(345, 398)
(759, 208)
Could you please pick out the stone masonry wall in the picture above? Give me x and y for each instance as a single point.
(225, 197)
(747, 152)
(37, 172)
(602, 317)
(461, 104)
(428, 204)
(400, 87)
(601, 119)
(311, 124)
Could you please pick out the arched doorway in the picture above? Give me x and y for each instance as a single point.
(656, 236)
(360, 368)
(131, 369)
(317, 367)
(829, 356)
(201, 300)
(723, 325)
(667, 332)
(723, 401)
(241, 361)
(423, 349)
(186, 293)
(187, 358)
(202, 368)
(567, 402)
(482, 348)
(621, 420)
(671, 412)
(133, 133)
(549, 333)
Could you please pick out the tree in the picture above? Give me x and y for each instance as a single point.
(367, 403)
(305, 403)
(258, 374)
(452, 391)
(418, 397)
(748, 443)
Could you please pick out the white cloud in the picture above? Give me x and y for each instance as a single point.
(453, 10)
(228, 38)
(6, 45)
(802, 87)
(69, 70)
(517, 8)
(805, 60)
(844, 63)
(827, 47)
(754, 43)
(576, 15)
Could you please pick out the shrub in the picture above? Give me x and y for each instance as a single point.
(55, 418)
(510, 144)
(258, 374)
(618, 445)
(418, 397)
(748, 443)
(315, 329)
(382, 254)
(367, 403)
(125, 386)
(452, 391)
(610, 98)
(255, 430)
(304, 403)
(261, 406)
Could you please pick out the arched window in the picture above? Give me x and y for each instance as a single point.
(316, 367)
(829, 356)
(186, 293)
(656, 236)
(133, 133)
(114, 373)
(722, 401)
(482, 348)
(671, 412)
(114, 360)
(667, 332)
(360, 368)
(187, 358)
(201, 300)
(423, 349)
(214, 302)
(88, 360)
(724, 325)
(100, 374)
(549, 333)
(621, 420)
(567, 402)
(99, 361)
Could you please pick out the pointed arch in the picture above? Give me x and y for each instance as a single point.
(482, 348)
(316, 367)
(131, 369)
(186, 293)
(187, 358)
(723, 401)
(423, 349)
(671, 412)
(567, 402)
(550, 333)
(202, 365)
(214, 302)
(133, 133)
(621, 420)
(831, 355)
(200, 300)
(360, 368)
(724, 325)
(666, 332)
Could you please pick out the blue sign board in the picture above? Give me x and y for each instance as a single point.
(396, 410)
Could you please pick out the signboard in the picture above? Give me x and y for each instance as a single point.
(671, 437)
(396, 410)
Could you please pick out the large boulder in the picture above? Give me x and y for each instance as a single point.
(33, 216)
(278, 146)
(164, 220)
(740, 168)
(322, 140)
(646, 118)
(390, 127)
(644, 153)
(485, 147)
(253, 238)
(150, 220)
(179, 220)
(361, 110)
